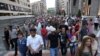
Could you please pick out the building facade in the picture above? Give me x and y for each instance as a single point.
(60, 6)
(36, 8)
(39, 7)
(14, 7)
(87, 7)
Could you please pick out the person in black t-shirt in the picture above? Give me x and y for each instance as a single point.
(53, 43)
(63, 41)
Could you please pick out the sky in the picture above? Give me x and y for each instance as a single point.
(50, 3)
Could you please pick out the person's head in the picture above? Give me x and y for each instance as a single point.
(86, 41)
(33, 32)
(20, 35)
(5, 29)
(97, 16)
(43, 26)
(91, 19)
(92, 35)
(63, 30)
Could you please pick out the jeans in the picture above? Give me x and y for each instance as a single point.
(45, 42)
(14, 44)
(63, 51)
(54, 51)
(23, 54)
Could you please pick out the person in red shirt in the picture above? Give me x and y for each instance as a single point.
(44, 35)
(77, 28)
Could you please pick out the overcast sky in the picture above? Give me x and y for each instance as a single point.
(50, 3)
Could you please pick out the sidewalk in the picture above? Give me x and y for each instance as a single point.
(11, 53)
(45, 53)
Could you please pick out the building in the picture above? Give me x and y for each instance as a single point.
(39, 7)
(60, 6)
(14, 7)
(36, 8)
(73, 6)
(44, 7)
(87, 7)
(91, 7)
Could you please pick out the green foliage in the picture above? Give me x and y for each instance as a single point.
(79, 13)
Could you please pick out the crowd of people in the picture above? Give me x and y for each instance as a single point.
(55, 33)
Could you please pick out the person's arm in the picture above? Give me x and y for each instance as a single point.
(58, 43)
(48, 43)
(41, 44)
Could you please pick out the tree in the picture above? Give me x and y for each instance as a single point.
(79, 13)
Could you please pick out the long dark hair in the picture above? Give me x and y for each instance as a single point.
(81, 48)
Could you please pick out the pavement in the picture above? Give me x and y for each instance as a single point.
(44, 53)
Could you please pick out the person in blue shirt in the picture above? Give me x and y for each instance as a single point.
(21, 44)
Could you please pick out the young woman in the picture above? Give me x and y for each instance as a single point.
(90, 26)
(85, 48)
(72, 41)
(21, 44)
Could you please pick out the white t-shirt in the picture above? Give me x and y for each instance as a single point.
(34, 42)
(96, 20)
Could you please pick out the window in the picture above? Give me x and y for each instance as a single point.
(3, 6)
(12, 8)
(89, 2)
(74, 2)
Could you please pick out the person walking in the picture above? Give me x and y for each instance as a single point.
(53, 42)
(34, 43)
(90, 26)
(63, 41)
(7, 38)
(96, 23)
(21, 43)
(13, 38)
(44, 35)
(72, 41)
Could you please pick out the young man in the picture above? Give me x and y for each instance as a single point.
(63, 41)
(13, 39)
(53, 42)
(34, 43)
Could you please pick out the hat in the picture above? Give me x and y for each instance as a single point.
(85, 36)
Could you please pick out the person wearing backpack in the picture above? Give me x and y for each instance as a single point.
(44, 35)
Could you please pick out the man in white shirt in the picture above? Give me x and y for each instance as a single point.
(34, 43)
